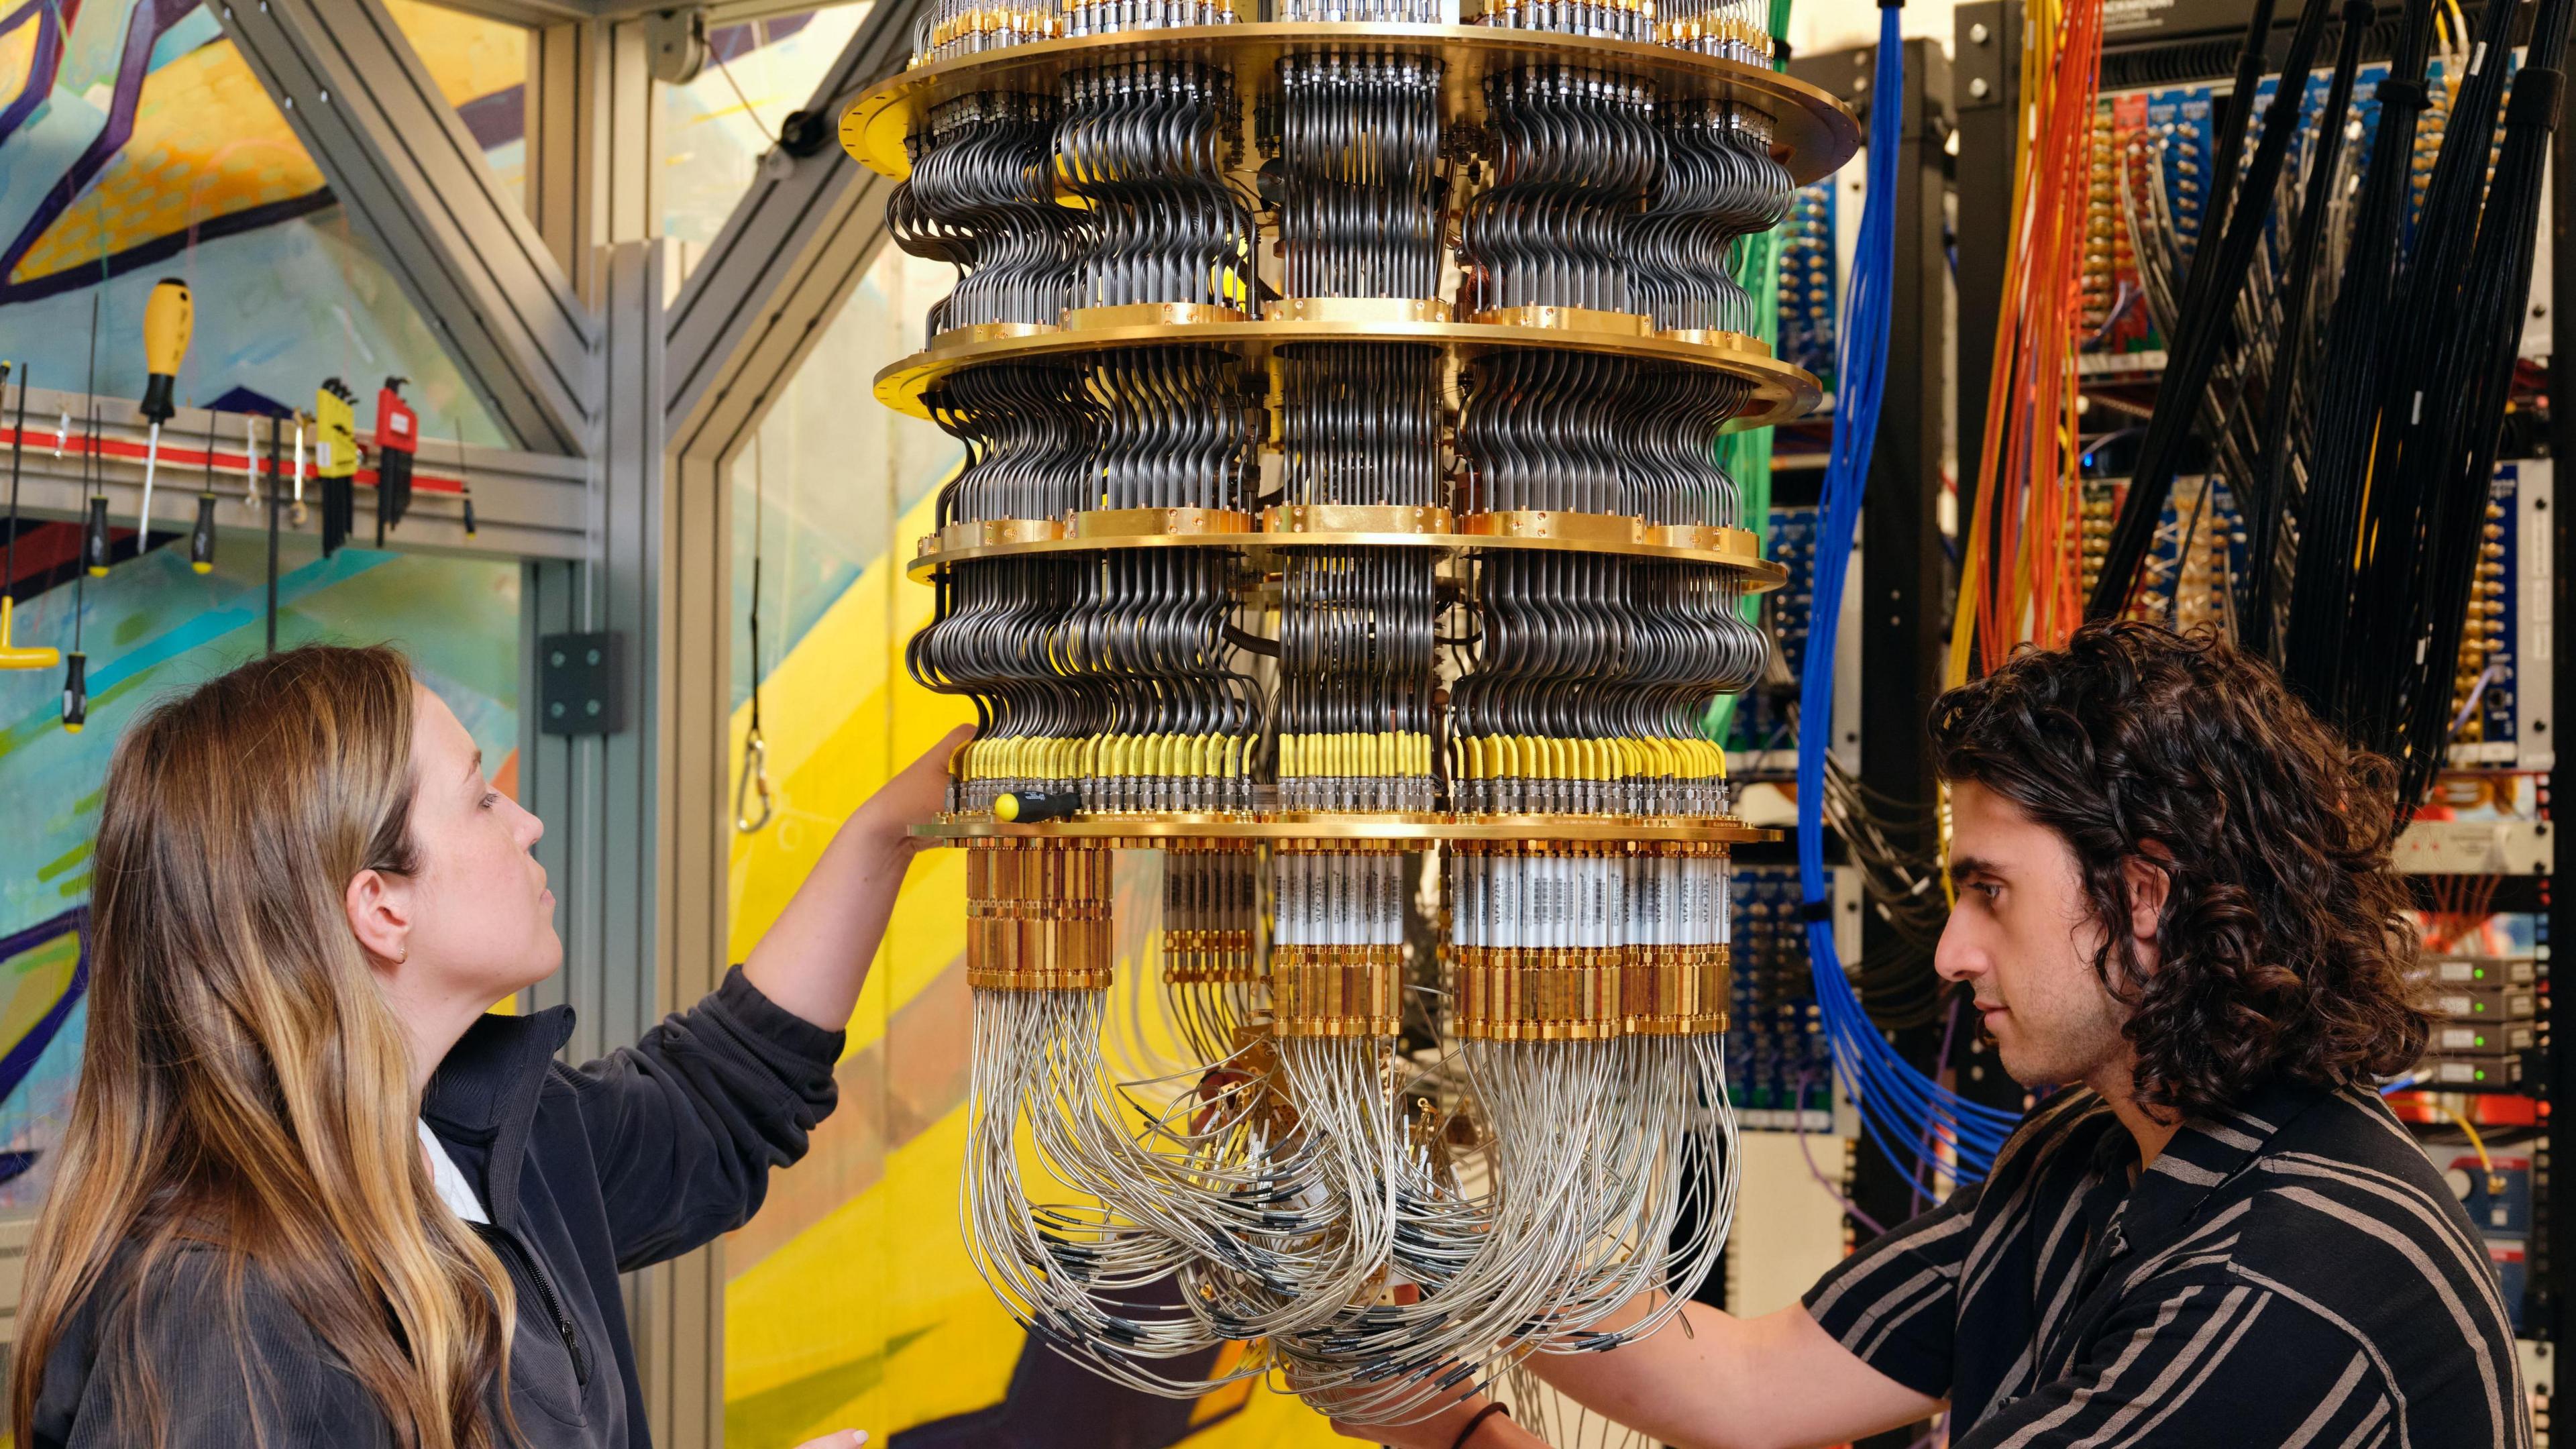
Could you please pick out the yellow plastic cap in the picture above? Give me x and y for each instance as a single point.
(1006, 808)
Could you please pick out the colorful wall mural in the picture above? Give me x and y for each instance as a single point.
(150, 627)
(852, 1302)
(135, 145)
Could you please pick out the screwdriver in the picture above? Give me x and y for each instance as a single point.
(295, 505)
(463, 481)
(335, 461)
(12, 656)
(168, 318)
(201, 539)
(75, 692)
(397, 439)
(95, 548)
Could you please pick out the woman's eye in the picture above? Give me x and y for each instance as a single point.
(489, 796)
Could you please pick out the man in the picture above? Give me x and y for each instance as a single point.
(2174, 894)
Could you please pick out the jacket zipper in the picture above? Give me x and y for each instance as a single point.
(564, 1327)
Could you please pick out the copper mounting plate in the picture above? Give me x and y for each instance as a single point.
(1355, 309)
(1337, 518)
(1568, 319)
(973, 538)
(1159, 522)
(1147, 314)
(1536, 523)
(989, 332)
(1813, 133)
(1717, 337)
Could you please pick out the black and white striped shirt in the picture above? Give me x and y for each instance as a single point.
(2294, 1274)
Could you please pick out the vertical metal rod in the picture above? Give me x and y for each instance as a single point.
(274, 463)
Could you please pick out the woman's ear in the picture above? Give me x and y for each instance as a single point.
(380, 916)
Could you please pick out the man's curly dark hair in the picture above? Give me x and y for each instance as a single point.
(2285, 938)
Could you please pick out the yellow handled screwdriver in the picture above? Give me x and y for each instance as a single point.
(168, 320)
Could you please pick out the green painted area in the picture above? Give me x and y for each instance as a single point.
(64, 861)
(777, 1416)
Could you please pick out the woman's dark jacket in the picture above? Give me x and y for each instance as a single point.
(587, 1172)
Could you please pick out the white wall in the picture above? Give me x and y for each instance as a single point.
(1818, 26)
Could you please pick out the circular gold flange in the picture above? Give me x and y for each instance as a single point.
(1728, 548)
(1654, 829)
(1812, 133)
(1781, 393)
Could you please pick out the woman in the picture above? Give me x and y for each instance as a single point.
(311, 1194)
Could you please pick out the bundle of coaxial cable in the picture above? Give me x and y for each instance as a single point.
(2412, 525)
(984, 157)
(2367, 506)
(2018, 573)
(1914, 1119)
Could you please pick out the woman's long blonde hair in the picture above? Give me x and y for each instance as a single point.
(244, 1086)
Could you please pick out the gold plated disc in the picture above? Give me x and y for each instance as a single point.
(1781, 393)
(1729, 548)
(1813, 133)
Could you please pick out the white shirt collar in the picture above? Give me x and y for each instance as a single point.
(449, 1179)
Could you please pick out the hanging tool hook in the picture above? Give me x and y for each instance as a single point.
(754, 781)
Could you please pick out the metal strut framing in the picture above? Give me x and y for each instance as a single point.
(415, 185)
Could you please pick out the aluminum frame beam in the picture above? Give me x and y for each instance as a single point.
(415, 186)
(594, 144)
(534, 13)
(788, 258)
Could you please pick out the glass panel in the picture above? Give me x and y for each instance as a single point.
(842, 490)
(831, 474)
(481, 66)
(715, 127)
(150, 627)
(122, 163)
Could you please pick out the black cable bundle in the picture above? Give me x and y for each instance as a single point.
(2348, 383)
(2210, 295)
(2445, 454)
(2400, 575)
(2266, 497)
